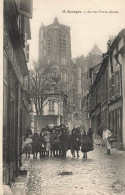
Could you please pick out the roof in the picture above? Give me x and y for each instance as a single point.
(95, 50)
(118, 37)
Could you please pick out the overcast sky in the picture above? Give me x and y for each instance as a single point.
(86, 28)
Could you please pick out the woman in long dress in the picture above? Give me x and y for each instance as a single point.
(84, 144)
(42, 145)
(75, 141)
(106, 135)
(87, 142)
(63, 142)
(35, 145)
(47, 141)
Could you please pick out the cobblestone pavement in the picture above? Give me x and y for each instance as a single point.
(91, 176)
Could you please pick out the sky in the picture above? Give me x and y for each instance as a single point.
(94, 24)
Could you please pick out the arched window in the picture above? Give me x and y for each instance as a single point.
(49, 41)
(64, 77)
(51, 105)
(63, 42)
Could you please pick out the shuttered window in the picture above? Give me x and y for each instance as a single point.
(117, 83)
(113, 85)
(26, 7)
(110, 89)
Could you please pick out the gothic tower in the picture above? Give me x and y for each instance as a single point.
(55, 49)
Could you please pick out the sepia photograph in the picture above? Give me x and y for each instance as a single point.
(63, 97)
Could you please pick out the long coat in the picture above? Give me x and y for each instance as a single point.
(56, 142)
(63, 142)
(27, 145)
(87, 143)
(35, 144)
(47, 141)
(42, 144)
(75, 141)
(52, 137)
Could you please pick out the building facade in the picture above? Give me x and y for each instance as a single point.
(106, 97)
(98, 97)
(89, 69)
(52, 112)
(15, 98)
(116, 87)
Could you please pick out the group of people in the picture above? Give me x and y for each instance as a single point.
(57, 141)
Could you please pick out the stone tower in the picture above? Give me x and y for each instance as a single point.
(55, 49)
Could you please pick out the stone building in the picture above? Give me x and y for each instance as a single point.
(15, 98)
(116, 87)
(89, 69)
(106, 96)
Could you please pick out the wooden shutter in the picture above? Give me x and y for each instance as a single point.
(110, 89)
(26, 7)
(113, 86)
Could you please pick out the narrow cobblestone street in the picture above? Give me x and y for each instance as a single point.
(72, 176)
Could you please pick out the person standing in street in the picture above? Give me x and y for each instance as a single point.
(35, 145)
(87, 142)
(106, 135)
(75, 141)
(47, 141)
(27, 146)
(52, 137)
(42, 145)
(84, 144)
(90, 136)
(63, 142)
(27, 133)
(56, 143)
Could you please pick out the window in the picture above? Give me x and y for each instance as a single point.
(63, 42)
(49, 41)
(110, 89)
(26, 8)
(49, 45)
(113, 59)
(41, 33)
(51, 105)
(115, 122)
(64, 61)
(117, 83)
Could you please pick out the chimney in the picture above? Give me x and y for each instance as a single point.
(108, 45)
